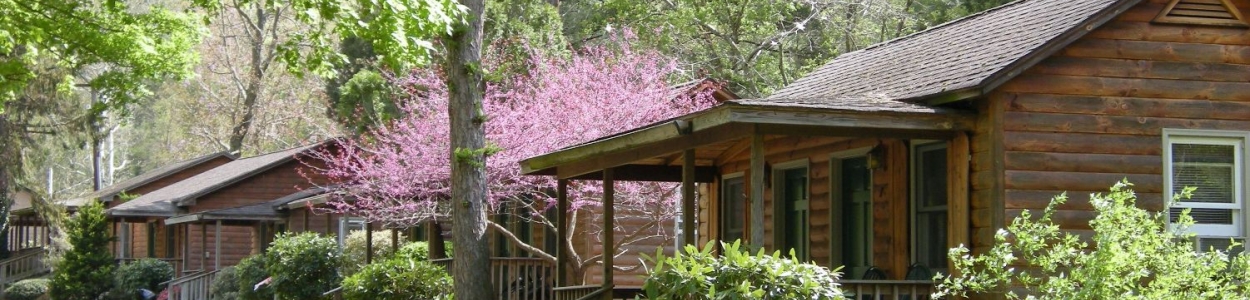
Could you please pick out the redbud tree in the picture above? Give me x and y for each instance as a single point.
(398, 174)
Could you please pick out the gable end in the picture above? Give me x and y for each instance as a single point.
(1201, 12)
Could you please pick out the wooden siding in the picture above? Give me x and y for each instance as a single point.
(889, 191)
(1094, 114)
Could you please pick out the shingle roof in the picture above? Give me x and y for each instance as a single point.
(264, 210)
(853, 104)
(161, 202)
(145, 178)
(963, 54)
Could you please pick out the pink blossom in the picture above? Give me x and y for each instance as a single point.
(399, 174)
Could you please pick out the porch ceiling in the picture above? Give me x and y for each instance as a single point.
(654, 153)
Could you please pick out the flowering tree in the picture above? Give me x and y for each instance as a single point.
(399, 174)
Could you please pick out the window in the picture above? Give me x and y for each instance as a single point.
(151, 239)
(1213, 163)
(929, 210)
(733, 209)
(851, 197)
(791, 209)
(346, 226)
(126, 241)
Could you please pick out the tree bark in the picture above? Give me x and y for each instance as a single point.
(251, 94)
(7, 154)
(468, 176)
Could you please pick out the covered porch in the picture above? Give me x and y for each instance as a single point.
(877, 187)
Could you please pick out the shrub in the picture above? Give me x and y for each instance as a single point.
(145, 273)
(29, 289)
(415, 251)
(398, 278)
(225, 286)
(303, 266)
(736, 274)
(86, 270)
(247, 274)
(1138, 256)
(354, 249)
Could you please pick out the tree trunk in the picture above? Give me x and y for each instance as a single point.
(7, 154)
(256, 78)
(468, 176)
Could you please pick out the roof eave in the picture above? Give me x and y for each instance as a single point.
(756, 120)
(701, 120)
(138, 213)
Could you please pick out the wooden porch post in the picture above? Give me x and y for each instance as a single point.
(306, 215)
(217, 246)
(757, 191)
(609, 230)
(687, 198)
(329, 221)
(186, 246)
(203, 244)
(562, 231)
(394, 240)
(368, 243)
(957, 161)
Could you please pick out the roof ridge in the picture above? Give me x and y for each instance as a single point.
(942, 25)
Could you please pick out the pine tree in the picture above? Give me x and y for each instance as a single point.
(87, 269)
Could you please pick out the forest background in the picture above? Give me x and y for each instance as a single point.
(242, 99)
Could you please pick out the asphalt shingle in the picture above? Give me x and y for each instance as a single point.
(161, 202)
(961, 54)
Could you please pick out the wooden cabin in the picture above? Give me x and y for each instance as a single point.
(145, 240)
(884, 158)
(206, 220)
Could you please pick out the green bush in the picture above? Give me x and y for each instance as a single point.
(86, 270)
(736, 274)
(415, 251)
(29, 289)
(225, 286)
(1138, 256)
(399, 278)
(145, 273)
(354, 249)
(250, 272)
(303, 266)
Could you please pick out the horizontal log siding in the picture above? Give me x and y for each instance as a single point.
(236, 244)
(1094, 113)
(890, 243)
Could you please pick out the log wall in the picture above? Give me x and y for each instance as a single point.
(890, 193)
(1094, 113)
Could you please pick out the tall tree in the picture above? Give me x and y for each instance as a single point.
(398, 174)
(469, 152)
(49, 49)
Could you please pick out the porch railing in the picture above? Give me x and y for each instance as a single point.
(517, 278)
(192, 287)
(27, 264)
(888, 289)
(596, 292)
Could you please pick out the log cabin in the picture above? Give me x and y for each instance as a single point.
(144, 240)
(884, 158)
(211, 220)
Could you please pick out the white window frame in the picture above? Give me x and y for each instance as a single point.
(778, 176)
(1237, 139)
(913, 204)
(346, 225)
